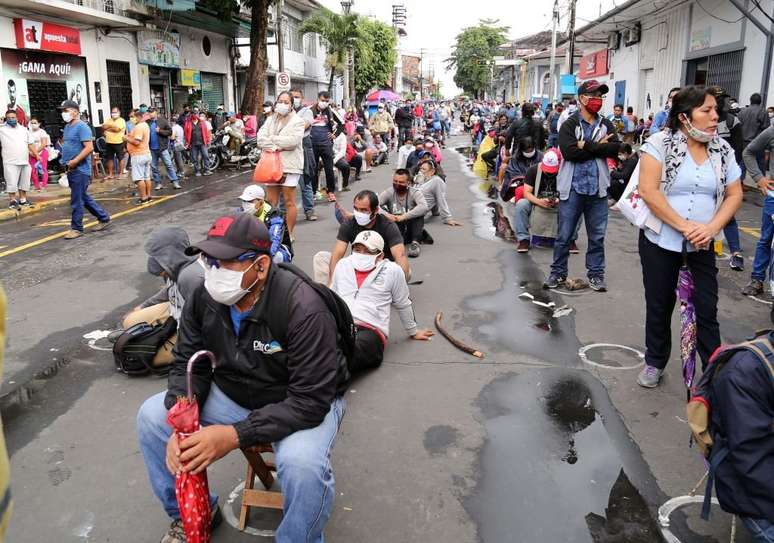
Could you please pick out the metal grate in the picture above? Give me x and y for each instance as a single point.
(119, 86)
(212, 90)
(726, 71)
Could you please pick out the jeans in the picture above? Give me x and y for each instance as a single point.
(303, 463)
(343, 166)
(404, 132)
(307, 193)
(731, 231)
(412, 229)
(167, 160)
(521, 217)
(660, 269)
(763, 248)
(198, 152)
(325, 152)
(80, 198)
(761, 529)
(553, 140)
(594, 211)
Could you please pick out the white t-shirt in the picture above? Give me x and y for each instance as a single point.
(14, 142)
(38, 136)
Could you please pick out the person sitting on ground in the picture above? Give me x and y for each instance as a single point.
(253, 200)
(412, 160)
(524, 156)
(406, 206)
(362, 148)
(366, 216)
(405, 151)
(370, 285)
(380, 150)
(434, 190)
(432, 148)
(280, 379)
(619, 178)
(545, 196)
(340, 159)
(182, 275)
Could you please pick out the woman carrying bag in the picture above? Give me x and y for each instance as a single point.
(690, 181)
(283, 133)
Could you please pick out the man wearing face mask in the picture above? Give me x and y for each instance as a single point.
(114, 130)
(405, 121)
(307, 181)
(325, 127)
(381, 124)
(659, 121)
(77, 148)
(253, 201)
(586, 140)
(406, 206)
(372, 285)
(17, 146)
(279, 379)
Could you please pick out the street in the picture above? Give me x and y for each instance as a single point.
(546, 439)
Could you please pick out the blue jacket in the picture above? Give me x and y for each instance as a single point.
(742, 400)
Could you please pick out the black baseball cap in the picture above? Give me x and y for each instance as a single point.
(591, 86)
(718, 92)
(69, 104)
(233, 235)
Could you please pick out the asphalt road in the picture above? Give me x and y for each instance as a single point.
(532, 443)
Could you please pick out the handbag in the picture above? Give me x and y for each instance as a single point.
(543, 222)
(269, 169)
(633, 207)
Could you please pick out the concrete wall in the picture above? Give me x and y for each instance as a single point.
(121, 46)
(219, 62)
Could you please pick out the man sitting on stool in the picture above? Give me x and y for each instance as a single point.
(370, 285)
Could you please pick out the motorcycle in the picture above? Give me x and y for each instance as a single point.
(222, 155)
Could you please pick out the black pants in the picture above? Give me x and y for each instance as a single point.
(412, 229)
(490, 157)
(357, 163)
(369, 351)
(616, 188)
(343, 166)
(660, 269)
(325, 152)
(404, 132)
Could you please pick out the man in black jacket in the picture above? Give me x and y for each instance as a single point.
(160, 130)
(279, 379)
(526, 126)
(325, 127)
(405, 121)
(619, 178)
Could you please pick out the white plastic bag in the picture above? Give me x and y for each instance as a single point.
(633, 207)
(63, 181)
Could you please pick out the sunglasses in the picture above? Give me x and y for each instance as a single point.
(211, 262)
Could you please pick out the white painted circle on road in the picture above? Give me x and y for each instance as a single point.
(228, 513)
(97, 335)
(583, 350)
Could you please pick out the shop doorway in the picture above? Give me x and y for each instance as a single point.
(119, 86)
(212, 91)
(724, 70)
(45, 97)
(158, 97)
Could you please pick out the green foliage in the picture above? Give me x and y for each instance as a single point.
(375, 55)
(338, 32)
(473, 55)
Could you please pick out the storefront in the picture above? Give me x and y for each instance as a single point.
(45, 70)
(161, 52)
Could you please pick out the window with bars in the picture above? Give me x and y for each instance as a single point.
(724, 70)
(310, 45)
(292, 38)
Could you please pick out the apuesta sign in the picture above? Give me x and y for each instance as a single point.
(47, 37)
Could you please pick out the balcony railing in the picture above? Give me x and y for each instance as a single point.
(114, 7)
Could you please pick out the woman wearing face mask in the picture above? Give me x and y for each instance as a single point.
(253, 201)
(525, 156)
(691, 182)
(41, 141)
(284, 131)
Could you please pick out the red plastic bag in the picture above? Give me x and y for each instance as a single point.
(269, 169)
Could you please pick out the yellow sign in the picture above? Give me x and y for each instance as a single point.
(190, 78)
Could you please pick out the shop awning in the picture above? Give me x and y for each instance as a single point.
(90, 12)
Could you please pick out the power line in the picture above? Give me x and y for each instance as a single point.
(698, 3)
(758, 5)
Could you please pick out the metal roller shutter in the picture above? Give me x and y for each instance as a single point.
(212, 90)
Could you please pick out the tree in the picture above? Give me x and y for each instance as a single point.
(338, 32)
(375, 55)
(473, 56)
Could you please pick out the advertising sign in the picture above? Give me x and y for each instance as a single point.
(567, 84)
(47, 37)
(593, 64)
(158, 48)
(190, 78)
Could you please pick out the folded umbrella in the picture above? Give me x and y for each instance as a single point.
(685, 291)
(192, 490)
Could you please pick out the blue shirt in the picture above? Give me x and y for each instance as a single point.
(585, 175)
(659, 121)
(74, 137)
(692, 196)
(153, 143)
(237, 317)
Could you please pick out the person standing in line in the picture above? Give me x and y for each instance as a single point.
(310, 164)
(381, 124)
(160, 132)
(197, 139)
(41, 141)
(17, 146)
(114, 130)
(754, 120)
(176, 146)
(77, 148)
(690, 181)
(137, 143)
(324, 129)
(586, 140)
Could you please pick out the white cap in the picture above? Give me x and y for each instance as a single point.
(372, 240)
(253, 192)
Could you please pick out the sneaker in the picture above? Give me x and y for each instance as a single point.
(158, 187)
(198, 174)
(207, 173)
(101, 226)
(414, 250)
(649, 377)
(310, 216)
(598, 284)
(26, 203)
(13, 204)
(553, 281)
(72, 234)
(523, 246)
(574, 248)
(345, 189)
(176, 185)
(176, 532)
(737, 262)
(753, 288)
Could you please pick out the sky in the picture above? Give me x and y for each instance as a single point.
(432, 25)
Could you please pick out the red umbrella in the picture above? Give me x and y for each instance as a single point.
(192, 490)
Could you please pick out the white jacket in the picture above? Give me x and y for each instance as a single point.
(288, 139)
(339, 147)
(370, 303)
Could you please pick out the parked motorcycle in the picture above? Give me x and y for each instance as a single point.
(222, 155)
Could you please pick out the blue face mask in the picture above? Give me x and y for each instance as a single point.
(11, 122)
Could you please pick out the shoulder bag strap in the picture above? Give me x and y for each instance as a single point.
(538, 177)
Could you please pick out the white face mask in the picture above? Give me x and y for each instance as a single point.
(282, 109)
(67, 116)
(622, 158)
(363, 262)
(225, 286)
(529, 154)
(322, 105)
(266, 109)
(699, 135)
(34, 126)
(296, 102)
(248, 207)
(115, 115)
(362, 218)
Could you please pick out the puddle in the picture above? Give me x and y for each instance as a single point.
(558, 465)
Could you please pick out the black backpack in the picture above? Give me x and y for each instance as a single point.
(136, 347)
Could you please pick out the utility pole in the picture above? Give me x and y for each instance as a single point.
(421, 68)
(345, 7)
(571, 36)
(398, 22)
(552, 64)
(280, 37)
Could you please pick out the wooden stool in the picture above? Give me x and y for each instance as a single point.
(251, 497)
